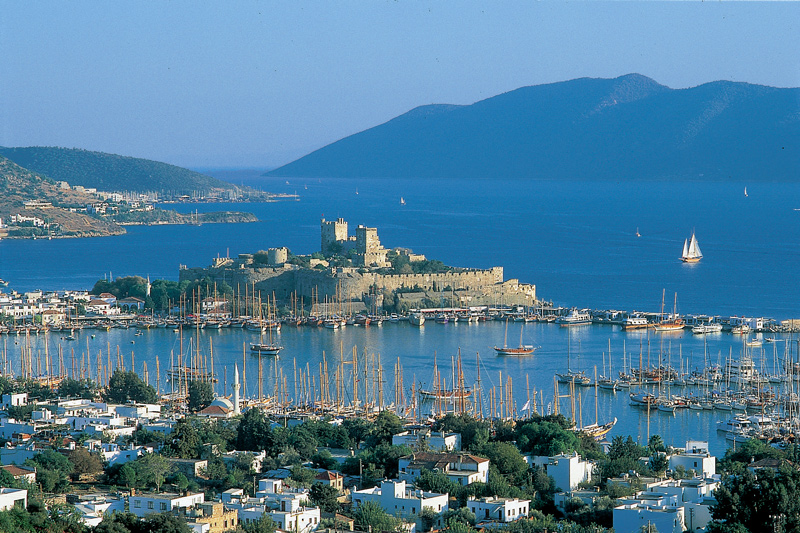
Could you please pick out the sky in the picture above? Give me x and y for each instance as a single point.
(259, 84)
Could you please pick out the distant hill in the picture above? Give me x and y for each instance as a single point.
(623, 128)
(19, 185)
(109, 172)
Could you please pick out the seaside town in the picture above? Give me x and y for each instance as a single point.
(90, 443)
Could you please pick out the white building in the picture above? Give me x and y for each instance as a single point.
(398, 500)
(568, 471)
(440, 442)
(498, 509)
(145, 504)
(289, 517)
(461, 468)
(695, 457)
(15, 400)
(293, 516)
(11, 497)
(658, 510)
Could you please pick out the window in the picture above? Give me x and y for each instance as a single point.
(149, 505)
(163, 506)
(137, 503)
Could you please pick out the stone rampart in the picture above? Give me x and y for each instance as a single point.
(350, 284)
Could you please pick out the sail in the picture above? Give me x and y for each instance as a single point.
(694, 248)
(685, 248)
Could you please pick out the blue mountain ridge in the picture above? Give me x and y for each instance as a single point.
(623, 128)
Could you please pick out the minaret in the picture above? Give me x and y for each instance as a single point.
(236, 389)
(147, 290)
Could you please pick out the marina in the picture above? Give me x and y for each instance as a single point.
(667, 377)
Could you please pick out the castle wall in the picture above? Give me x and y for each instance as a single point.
(347, 283)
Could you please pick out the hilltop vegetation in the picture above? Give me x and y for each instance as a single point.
(18, 185)
(625, 128)
(109, 172)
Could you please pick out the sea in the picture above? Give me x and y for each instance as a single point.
(583, 243)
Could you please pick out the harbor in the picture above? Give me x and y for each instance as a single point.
(394, 361)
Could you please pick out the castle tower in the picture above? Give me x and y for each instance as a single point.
(332, 231)
(235, 387)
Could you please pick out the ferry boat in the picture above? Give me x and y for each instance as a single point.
(701, 329)
(691, 251)
(635, 322)
(736, 424)
(575, 318)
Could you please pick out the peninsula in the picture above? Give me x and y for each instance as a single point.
(358, 269)
(32, 205)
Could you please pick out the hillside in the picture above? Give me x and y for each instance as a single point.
(18, 185)
(623, 128)
(109, 172)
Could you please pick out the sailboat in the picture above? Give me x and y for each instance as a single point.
(402, 201)
(691, 251)
(637, 233)
(745, 192)
(669, 322)
(524, 349)
(260, 347)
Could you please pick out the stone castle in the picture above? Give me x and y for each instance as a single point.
(468, 286)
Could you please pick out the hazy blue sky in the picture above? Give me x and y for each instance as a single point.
(262, 83)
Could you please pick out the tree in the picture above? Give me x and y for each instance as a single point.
(474, 432)
(507, 459)
(658, 463)
(201, 394)
(546, 437)
(265, 524)
(302, 475)
(84, 462)
(428, 517)
(77, 388)
(325, 497)
(52, 469)
(753, 500)
(385, 425)
(324, 459)
(656, 444)
(164, 523)
(151, 469)
(128, 475)
(253, 432)
(357, 430)
(371, 515)
(127, 386)
(185, 440)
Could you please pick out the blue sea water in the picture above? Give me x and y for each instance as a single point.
(575, 240)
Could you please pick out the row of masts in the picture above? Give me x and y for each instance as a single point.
(354, 383)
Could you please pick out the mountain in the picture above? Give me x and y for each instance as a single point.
(19, 185)
(109, 172)
(623, 128)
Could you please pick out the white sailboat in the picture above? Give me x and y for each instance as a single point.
(691, 250)
(402, 201)
(745, 192)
